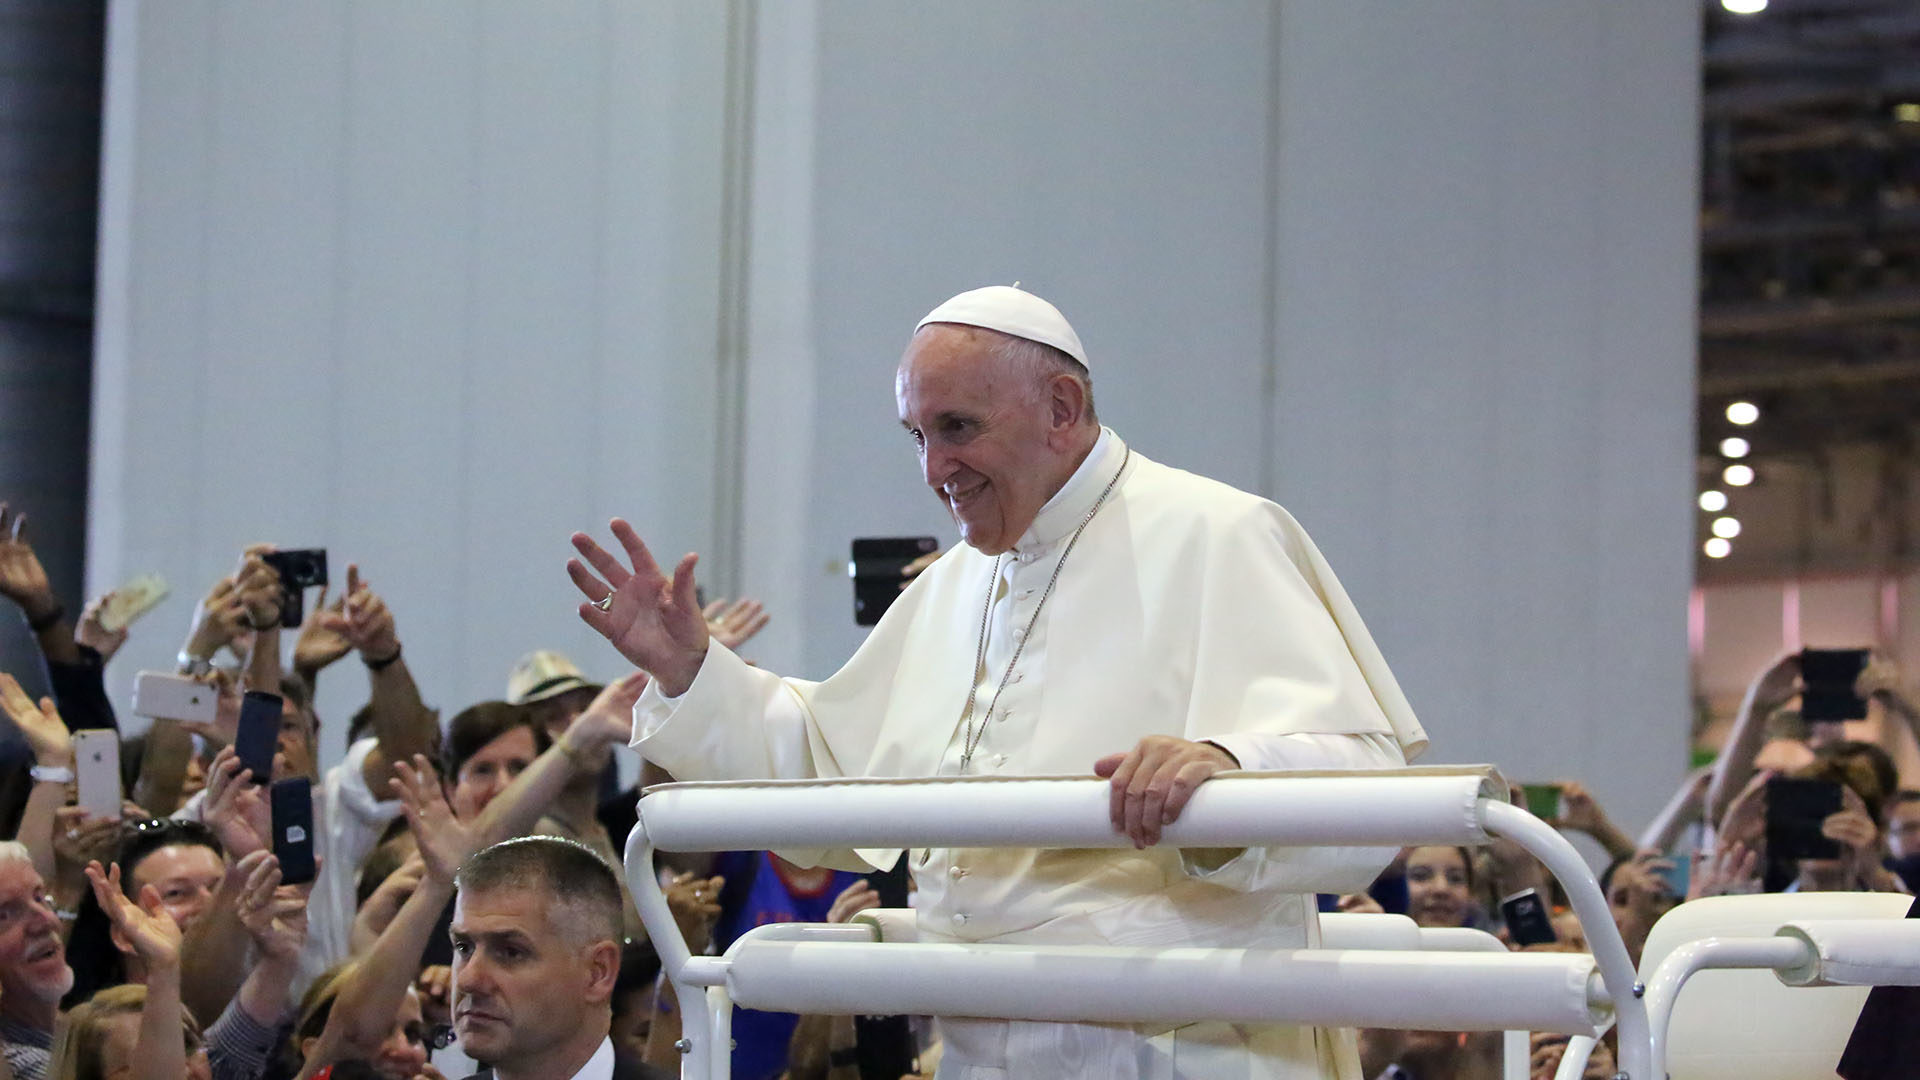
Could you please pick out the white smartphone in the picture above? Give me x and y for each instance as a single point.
(96, 764)
(132, 600)
(163, 696)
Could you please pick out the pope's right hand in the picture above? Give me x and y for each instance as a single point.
(654, 621)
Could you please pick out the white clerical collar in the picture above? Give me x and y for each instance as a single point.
(600, 1065)
(1062, 513)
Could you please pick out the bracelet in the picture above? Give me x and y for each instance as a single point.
(51, 774)
(383, 663)
(47, 622)
(193, 665)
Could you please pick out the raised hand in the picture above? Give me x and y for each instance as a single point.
(608, 721)
(323, 636)
(146, 926)
(1734, 868)
(653, 621)
(218, 619)
(732, 624)
(22, 579)
(235, 809)
(92, 633)
(40, 724)
(79, 838)
(695, 903)
(369, 622)
(274, 914)
(444, 840)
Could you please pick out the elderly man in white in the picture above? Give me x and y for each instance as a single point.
(1105, 612)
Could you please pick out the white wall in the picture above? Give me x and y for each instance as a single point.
(1424, 275)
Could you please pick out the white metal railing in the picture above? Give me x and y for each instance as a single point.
(1571, 993)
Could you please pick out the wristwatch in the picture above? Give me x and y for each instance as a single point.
(193, 665)
(51, 774)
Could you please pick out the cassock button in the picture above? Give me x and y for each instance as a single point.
(956, 872)
(959, 918)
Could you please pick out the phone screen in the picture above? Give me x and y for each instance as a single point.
(875, 568)
(1827, 677)
(292, 806)
(1543, 800)
(1795, 811)
(259, 733)
(1527, 920)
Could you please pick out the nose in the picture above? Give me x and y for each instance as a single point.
(471, 978)
(935, 464)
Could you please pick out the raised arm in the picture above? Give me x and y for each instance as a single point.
(152, 935)
(52, 749)
(1687, 806)
(24, 581)
(1731, 771)
(402, 724)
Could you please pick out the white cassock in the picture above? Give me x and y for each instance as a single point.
(1187, 608)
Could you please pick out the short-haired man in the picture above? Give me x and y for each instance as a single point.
(536, 956)
(33, 967)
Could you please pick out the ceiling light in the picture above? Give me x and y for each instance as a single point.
(1726, 528)
(1744, 7)
(1734, 447)
(1713, 501)
(1716, 548)
(1907, 112)
(1743, 412)
(1738, 475)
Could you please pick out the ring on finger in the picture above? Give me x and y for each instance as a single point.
(605, 603)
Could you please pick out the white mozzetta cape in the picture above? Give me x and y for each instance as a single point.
(1188, 608)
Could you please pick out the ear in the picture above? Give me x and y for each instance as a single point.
(603, 970)
(1066, 402)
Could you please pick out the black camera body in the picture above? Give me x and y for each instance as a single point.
(299, 570)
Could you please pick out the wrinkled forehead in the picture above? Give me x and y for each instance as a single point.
(955, 366)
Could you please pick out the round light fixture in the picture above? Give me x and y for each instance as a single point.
(1716, 548)
(1713, 501)
(1743, 412)
(1734, 447)
(1744, 7)
(1726, 528)
(1738, 475)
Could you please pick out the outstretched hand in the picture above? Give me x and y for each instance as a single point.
(654, 621)
(146, 926)
(732, 624)
(444, 841)
(40, 724)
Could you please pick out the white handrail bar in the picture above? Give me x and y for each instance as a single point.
(1558, 855)
(1663, 989)
(1367, 809)
(1374, 808)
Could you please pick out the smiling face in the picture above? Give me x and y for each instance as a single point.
(33, 966)
(1437, 890)
(996, 437)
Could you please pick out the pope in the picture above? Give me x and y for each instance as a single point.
(1104, 612)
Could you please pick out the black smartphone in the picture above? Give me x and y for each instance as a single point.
(1827, 679)
(875, 569)
(258, 735)
(1527, 920)
(292, 805)
(299, 570)
(1795, 811)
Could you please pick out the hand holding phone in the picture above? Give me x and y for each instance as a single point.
(130, 601)
(96, 767)
(1797, 811)
(258, 735)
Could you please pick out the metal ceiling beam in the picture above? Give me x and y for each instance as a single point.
(1728, 383)
(1737, 320)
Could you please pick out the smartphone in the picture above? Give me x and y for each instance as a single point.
(1678, 874)
(161, 695)
(299, 570)
(1795, 811)
(1827, 677)
(1527, 920)
(1543, 800)
(258, 735)
(875, 569)
(96, 765)
(132, 600)
(291, 801)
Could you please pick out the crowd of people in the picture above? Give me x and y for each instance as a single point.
(162, 942)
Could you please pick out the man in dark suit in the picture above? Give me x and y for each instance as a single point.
(536, 953)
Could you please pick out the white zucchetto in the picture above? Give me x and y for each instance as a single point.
(1010, 310)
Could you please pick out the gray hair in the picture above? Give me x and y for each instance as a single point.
(15, 851)
(582, 891)
(1045, 361)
